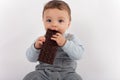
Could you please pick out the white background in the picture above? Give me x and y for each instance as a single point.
(95, 22)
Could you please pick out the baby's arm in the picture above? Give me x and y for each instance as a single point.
(73, 47)
(33, 51)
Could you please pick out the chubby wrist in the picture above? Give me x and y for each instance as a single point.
(64, 43)
(34, 49)
(36, 46)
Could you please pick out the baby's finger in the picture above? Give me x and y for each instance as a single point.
(40, 43)
(58, 34)
(55, 36)
(55, 39)
(42, 38)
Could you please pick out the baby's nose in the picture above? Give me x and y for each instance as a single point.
(54, 23)
(54, 28)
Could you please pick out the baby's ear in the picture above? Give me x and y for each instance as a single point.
(69, 23)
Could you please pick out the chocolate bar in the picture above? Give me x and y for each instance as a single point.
(49, 48)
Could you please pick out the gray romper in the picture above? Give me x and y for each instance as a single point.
(64, 64)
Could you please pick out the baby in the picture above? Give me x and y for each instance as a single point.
(56, 16)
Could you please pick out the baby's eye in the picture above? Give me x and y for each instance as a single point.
(49, 20)
(60, 21)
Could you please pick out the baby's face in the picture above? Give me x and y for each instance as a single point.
(56, 19)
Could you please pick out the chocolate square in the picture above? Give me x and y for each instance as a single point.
(49, 48)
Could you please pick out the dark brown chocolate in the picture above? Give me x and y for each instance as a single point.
(49, 48)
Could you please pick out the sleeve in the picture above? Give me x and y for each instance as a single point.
(32, 53)
(73, 47)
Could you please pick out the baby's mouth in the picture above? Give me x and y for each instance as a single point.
(54, 30)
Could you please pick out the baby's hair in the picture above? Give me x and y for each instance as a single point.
(58, 4)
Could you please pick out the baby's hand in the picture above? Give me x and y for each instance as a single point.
(59, 39)
(39, 42)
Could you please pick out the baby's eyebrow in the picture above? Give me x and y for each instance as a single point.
(48, 17)
(61, 18)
